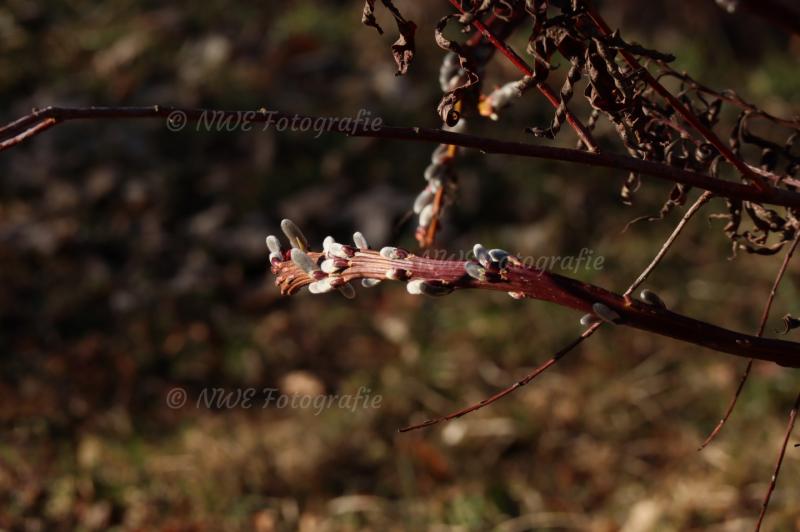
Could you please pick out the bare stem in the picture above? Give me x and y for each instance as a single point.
(774, 480)
(39, 120)
(519, 384)
(690, 212)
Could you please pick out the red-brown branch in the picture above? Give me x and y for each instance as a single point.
(39, 120)
(564, 291)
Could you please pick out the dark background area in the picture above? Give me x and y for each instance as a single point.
(132, 261)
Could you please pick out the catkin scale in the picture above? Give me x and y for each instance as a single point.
(500, 257)
(320, 287)
(341, 251)
(423, 200)
(392, 253)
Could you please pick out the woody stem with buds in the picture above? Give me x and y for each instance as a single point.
(524, 282)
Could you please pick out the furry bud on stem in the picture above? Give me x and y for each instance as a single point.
(296, 237)
(303, 261)
(360, 241)
(475, 270)
(651, 298)
(606, 314)
(392, 253)
(482, 255)
(589, 319)
(273, 244)
(428, 288)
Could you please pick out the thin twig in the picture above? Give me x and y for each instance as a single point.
(519, 384)
(690, 212)
(731, 406)
(30, 126)
(762, 325)
(728, 96)
(32, 131)
(774, 480)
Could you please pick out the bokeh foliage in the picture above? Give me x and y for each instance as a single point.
(132, 261)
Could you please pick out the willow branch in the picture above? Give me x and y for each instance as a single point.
(532, 283)
(40, 120)
(581, 130)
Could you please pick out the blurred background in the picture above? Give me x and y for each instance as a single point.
(132, 263)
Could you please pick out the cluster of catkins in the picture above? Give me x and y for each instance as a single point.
(439, 175)
(326, 271)
(326, 275)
